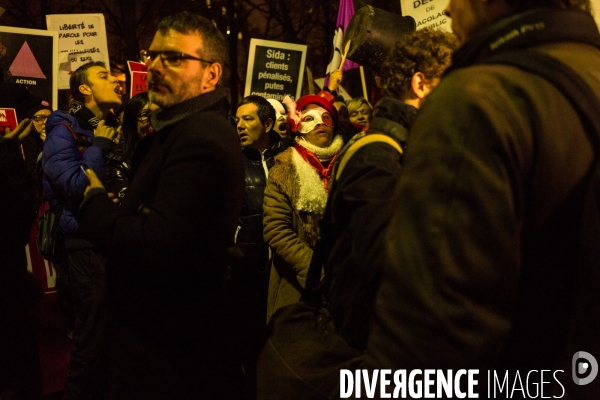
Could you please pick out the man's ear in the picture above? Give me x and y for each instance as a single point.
(212, 75)
(268, 124)
(418, 85)
(85, 90)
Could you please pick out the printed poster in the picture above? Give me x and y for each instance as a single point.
(139, 77)
(427, 13)
(28, 58)
(275, 69)
(81, 39)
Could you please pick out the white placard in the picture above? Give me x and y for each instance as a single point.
(427, 13)
(81, 39)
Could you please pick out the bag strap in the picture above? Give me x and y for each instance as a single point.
(312, 287)
(573, 87)
(363, 141)
(80, 140)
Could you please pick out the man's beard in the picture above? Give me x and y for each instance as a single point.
(164, 98)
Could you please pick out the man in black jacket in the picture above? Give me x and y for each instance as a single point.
(255, 118)
(360, 200)
(167, 242)
(483, 242)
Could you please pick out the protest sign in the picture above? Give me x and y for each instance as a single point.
(427, 13)
(8, 119)
(275, 69)
(139, 77)
(81, 39)
(28, 58)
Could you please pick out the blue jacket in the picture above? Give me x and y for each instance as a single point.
(64, 181)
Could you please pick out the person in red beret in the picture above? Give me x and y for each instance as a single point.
(296, 195)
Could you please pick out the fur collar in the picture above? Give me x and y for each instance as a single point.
(312, 196)
(322, 153)
(299, 181)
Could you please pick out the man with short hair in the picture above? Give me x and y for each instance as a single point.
(360, 200)
(168, 240)
(77, 139)
(255, 118)
(483, 244)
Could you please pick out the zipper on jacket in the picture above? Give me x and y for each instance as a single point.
(264, 163)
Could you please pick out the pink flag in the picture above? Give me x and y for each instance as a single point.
(345, 13)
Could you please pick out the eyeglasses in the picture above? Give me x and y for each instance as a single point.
(39, 118)
(168, 58)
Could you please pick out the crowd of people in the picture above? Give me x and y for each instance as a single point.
(447, 218)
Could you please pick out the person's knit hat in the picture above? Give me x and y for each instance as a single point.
(43, 105)
(279, 109)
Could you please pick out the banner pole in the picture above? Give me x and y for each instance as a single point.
(311, 83)
(364, 83)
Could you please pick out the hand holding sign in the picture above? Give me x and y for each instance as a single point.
(335, 78)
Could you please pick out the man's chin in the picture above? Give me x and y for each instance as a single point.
(159, 99)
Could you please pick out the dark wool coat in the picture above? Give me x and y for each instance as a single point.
(167, 247)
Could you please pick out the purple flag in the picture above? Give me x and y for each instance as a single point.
(345, 13)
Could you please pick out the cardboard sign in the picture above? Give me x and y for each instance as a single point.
(81, 39)
(275, 69)
(28, 58)
(139, 77)
(427, 13)
(8, 118)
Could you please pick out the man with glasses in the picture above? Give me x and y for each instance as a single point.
(167, 241)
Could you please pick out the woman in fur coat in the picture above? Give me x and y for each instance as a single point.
(296, 195)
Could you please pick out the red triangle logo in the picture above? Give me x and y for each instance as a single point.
(25, 64)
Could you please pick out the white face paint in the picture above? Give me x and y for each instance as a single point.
(313, 117)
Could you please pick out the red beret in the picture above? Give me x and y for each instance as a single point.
(323, 99)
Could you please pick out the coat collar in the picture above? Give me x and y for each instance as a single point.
(530, 28)
(169, 116)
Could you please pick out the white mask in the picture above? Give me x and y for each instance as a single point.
(313, 117)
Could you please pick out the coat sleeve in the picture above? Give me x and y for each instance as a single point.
(62, 163)
(279, 231)
(453, 263)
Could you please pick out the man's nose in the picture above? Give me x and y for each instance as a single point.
(153, 65)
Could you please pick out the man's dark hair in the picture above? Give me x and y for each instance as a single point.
(186, 22)
(265, 109)
(80, 77)
(583, 5)
(428, 51)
